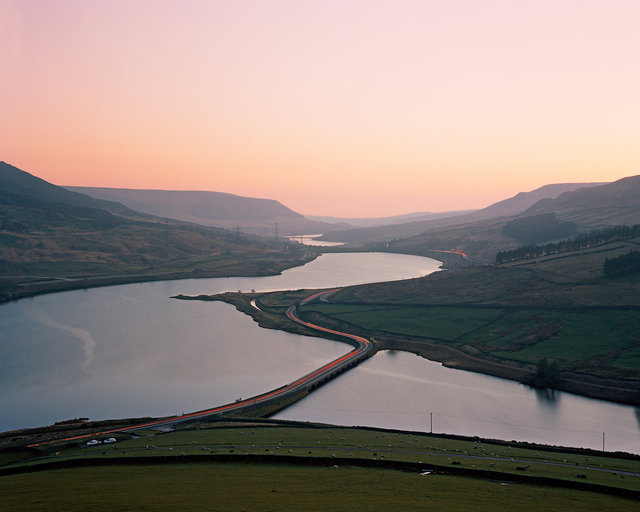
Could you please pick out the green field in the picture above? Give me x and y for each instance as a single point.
(600, 341)
(309, 468)
(351, 443)
(258, 487)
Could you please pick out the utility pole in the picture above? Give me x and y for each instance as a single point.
(603, 441)
(431, 421)
(166, 239)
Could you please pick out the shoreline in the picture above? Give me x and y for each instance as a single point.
(586, 386)
(10, 293)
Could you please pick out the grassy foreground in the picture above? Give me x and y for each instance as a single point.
(255, 487)
(312, 468)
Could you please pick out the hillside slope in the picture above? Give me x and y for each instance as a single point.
(596, 207)
(17, 183)
(251, 215)
(365, 222)
(603, 206)
(508, 207)
(51, 238)
(524, 200)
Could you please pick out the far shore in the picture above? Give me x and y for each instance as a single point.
(32, 286)
(22, 287)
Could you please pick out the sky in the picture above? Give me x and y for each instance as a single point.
(356, 108)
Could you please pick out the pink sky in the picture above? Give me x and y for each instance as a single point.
(333, 107)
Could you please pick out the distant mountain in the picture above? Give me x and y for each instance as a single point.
(597, 207)
(385, 221)
(250, 215)
(507, 207)
(524, 200)
(592, 207)
(15, 182)
(41, 223)
(53, 239)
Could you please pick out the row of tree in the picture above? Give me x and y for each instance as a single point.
(582, 241)
(623, 264)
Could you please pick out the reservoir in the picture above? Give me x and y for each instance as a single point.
(131, 351)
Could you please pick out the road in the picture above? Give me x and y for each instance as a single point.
(363, 350)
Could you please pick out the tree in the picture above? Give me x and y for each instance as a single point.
(547, 374)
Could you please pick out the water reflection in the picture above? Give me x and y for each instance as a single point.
(547, 397)
(131, 350)
(404, 390)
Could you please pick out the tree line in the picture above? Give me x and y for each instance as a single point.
(581, 241)
(623, 264)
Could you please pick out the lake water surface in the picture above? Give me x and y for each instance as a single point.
(131, 350)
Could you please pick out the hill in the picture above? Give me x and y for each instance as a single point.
(22, 186)
(525, 200)
(598, 207)
(508, 207)
(251, 215)
(52, 238)
(363, 222)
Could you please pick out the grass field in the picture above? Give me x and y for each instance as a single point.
(568, 279)
(355, 443)
(286, 486)
(600, 341)
(258, 487)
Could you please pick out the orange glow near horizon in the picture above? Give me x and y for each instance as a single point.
(333, 107)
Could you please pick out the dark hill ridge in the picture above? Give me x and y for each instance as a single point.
(604, 206)
(508, 207)
(597, 207)
(44, 224)
(197, 205)
(365, 222)
(53, 239)
(23, 186)
(524, 200)
(251, 215)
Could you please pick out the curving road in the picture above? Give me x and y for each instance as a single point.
(363, 350)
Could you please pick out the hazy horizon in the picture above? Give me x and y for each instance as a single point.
(346, 108)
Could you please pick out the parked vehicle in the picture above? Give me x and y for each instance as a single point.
(93, 442)
(109, 440)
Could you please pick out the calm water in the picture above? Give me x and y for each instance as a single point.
(131, 350)
(311, 240)
(402, 390)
